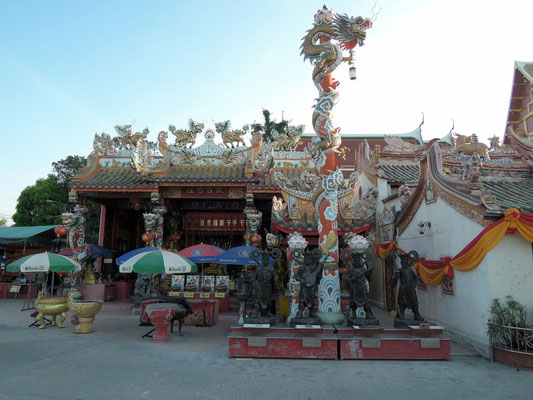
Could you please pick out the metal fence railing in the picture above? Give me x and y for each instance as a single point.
(510, 338)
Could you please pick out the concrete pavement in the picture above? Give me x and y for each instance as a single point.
(115, 363)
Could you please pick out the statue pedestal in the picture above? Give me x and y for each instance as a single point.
(261, 320)
(305, 321)
(405, 322)
(312, 342)
(376, 343)
(362, 321)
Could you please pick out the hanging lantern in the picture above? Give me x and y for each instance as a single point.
(147, 237)
(352, 72)
(256, 239)
(60, 230)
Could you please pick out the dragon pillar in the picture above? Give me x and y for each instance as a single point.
(320, 48)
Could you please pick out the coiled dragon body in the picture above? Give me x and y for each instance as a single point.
(319, 48)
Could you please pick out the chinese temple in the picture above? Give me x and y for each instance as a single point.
(205, 184)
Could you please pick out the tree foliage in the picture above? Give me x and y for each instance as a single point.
(269, 125)
(41, 203)
(66, 168)
(3, 221)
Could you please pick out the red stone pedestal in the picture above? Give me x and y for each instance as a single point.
(334, 342)
(393, 344)
(93, 291)
(123, 291)
(283, 342)
(160, 315)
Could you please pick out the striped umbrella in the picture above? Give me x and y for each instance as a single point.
(43, 262)
(157, 262)
(201, 253)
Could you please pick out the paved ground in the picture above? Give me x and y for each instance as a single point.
(115, 363)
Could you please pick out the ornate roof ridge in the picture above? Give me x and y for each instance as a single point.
(414, 134)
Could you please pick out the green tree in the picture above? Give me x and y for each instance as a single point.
(3, 221)
(269, 125)
(41, 203)
(66, 168)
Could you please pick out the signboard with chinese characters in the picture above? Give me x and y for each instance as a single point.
(208, 221)
(199, 191)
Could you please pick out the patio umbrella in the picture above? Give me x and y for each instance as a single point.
(130, 254)
(239, 256)
(201, 253)
(157, 262)
(44, 262)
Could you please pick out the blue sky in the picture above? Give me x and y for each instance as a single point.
(72, 69)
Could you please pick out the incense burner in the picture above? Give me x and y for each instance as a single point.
(51, 306)
(85, 310)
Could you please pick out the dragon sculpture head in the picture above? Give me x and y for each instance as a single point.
(351, 31)
(68, 219)
(150, 221)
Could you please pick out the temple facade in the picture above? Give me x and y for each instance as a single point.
(450, 200)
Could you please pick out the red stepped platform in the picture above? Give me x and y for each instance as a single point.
(334, 342)
(262, 341)
(415, 343)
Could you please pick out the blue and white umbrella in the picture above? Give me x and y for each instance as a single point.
(239, 256)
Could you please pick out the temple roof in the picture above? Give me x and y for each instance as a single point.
(267, 182)
(512, 194)
(114, 178)
(201, 174)
(311, 224)
(399, 173)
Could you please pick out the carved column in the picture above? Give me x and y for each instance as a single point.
(326, 55)
(254, 219)
(158, 235)
(296, 242)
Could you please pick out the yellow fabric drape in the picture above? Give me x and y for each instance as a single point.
(431, 276)
(433, 272)
(382, 251)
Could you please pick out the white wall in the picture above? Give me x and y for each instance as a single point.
(506, 269)
(510, 266)
(465, 312)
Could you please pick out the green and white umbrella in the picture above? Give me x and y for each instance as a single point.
(157, 262)
(43, 262)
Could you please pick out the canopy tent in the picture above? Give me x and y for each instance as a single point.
(43, 234)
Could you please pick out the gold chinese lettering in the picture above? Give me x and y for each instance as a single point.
(208, 222)
(215, 222)
(202, 222)
(221, 222)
